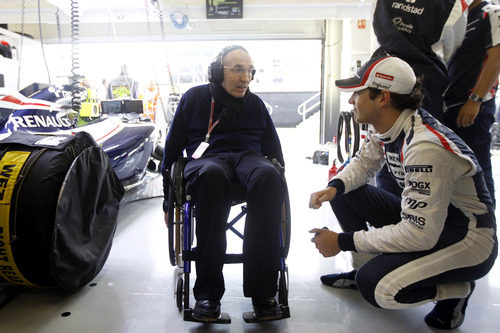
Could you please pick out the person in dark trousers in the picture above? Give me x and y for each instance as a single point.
(473, 71)
(409, 30)
(434, 241)
(227, 133)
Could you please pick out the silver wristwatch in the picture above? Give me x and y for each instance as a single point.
(475, 98)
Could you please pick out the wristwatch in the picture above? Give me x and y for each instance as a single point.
(475, 98)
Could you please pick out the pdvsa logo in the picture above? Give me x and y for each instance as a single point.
(402, 26)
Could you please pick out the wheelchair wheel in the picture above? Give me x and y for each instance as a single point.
(283, 287)
(286, 224)
(170, 226)
(179, 294)
(175, 200)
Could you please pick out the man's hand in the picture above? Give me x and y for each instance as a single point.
(468, 113)
(317, 198)
(326, 242)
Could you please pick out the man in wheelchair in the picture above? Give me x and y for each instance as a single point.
(226, 133)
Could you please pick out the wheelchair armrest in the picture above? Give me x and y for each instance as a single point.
(176, 178)
(277, 165)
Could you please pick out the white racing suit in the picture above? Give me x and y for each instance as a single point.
(438, 236)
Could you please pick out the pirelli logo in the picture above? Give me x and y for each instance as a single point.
(418, 168)
(10, 167)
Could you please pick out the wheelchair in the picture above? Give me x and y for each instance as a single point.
(181, 227)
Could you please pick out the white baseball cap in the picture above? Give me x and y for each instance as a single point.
(384, 73)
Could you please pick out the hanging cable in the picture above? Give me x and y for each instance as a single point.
(172, 93)
(20, 53)
(75, 58)
(169, 71)
(58, 22)
(162, 29)
(41, 41)
(148, 23)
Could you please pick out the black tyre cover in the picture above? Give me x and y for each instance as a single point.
(85, 220)
(63, 210)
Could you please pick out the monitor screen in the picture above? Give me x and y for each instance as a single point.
(111, 107)
(132, 106)
(222, 9)
(122, 106)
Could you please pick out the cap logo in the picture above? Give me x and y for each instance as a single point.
(384, 76)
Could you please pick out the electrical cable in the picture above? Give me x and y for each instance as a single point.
(75, 57)
(58, 22)
(148, 23)
(163, 35)
(342, 137)
(348, 136)
(173, 94)
(20, 53)
(41, 42)
(355, 136)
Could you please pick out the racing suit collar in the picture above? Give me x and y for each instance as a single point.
(393, 133)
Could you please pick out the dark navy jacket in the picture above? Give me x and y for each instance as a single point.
(408, 29)
(250, 129)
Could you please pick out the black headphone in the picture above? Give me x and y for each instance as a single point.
(216, 67)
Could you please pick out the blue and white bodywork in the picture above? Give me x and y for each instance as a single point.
(132, 145)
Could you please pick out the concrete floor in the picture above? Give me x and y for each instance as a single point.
(134, 292)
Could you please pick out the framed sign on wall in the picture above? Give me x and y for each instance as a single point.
(222, 9)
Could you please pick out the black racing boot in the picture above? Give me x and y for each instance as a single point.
(340, 280)
(449, 313)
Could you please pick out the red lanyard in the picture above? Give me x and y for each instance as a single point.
(210, 125)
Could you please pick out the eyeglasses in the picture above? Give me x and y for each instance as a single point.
(240, 70)
(356, 94)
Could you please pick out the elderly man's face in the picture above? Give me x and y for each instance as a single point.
(238, 70)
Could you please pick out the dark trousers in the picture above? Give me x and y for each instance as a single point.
(477, 137)
(210, 180)
(394, 274)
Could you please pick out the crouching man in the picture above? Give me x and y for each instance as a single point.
(434, 241)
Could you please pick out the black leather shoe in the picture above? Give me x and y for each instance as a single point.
(266, 307)
(206, 309)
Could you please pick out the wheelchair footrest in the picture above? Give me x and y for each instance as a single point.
(250, 317)
(224, 318)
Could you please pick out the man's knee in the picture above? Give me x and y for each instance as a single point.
(213, 174)
(267, 179)
(211, 181)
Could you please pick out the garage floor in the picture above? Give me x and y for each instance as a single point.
(134, 292)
